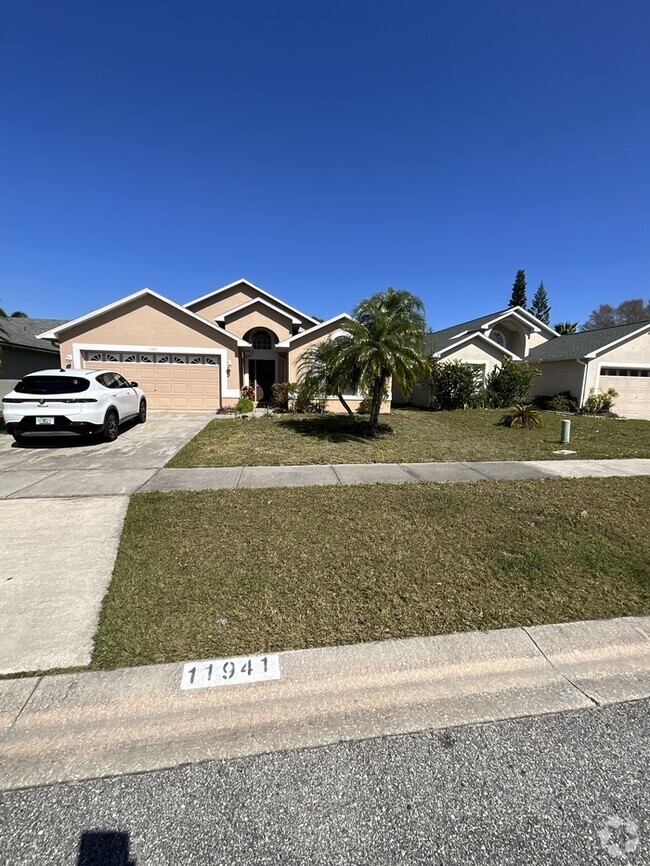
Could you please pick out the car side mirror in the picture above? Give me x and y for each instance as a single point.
(134, 384)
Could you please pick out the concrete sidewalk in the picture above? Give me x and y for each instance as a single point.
(385, 473)
(86, 725)
(123, 481)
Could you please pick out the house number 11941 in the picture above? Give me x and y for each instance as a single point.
(232, 671)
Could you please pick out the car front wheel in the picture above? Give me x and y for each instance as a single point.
(142, 414)
(111, 426)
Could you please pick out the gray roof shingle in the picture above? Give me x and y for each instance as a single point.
(438, 340)
(22, 332)
(580, 345)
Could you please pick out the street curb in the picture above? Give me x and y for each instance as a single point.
(77, 726)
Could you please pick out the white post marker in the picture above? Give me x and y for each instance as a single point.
(230, 672)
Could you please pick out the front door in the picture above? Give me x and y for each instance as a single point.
(263, 374)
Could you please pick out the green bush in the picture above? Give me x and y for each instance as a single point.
(308, 399)
(282, 393)
(244, 404)
(600, 403)
(510, 383)
(562, 402)
(521, 415)
(453, 384)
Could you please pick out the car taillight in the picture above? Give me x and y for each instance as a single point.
(81, 400)
(11, 400)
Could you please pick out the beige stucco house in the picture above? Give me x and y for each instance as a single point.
(617, 357)
(199, 355)
(483, 343)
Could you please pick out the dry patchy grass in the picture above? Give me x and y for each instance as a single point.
(418, 436)
(296, 568)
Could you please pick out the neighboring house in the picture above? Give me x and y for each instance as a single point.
(197, 356)
(483, 343)
(22, 351)
(617, 357)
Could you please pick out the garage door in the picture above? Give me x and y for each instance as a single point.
(633, 386)
(169, 381)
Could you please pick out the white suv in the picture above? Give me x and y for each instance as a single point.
(72, 401)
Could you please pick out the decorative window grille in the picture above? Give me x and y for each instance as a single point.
(162, 359)
(262, 340)
(146, 359)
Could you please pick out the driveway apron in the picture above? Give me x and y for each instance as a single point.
(62, 507)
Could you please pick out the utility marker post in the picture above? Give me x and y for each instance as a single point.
(566, 432)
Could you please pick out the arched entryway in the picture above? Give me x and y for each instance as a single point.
(262, 362)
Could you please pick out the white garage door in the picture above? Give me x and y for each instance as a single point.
(169, 381)
(633, 386)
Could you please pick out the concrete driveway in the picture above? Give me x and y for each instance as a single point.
(62, 506)
(73, 466)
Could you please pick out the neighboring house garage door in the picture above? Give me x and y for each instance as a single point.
(633, 386)
(169, 381)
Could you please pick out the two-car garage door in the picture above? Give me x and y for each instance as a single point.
(169, 380)
(633, 386)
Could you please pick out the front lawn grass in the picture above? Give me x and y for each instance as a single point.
(419, 436)
(210, 574)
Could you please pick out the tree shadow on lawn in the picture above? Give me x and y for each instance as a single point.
(335, 428)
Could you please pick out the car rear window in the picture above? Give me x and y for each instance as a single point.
(52, 385)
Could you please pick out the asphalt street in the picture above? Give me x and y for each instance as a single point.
(572, 788)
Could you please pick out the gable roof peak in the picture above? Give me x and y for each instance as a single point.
(53, 333)
(255, 288)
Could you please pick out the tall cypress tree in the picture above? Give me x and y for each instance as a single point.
(540, 306)
(518, 297)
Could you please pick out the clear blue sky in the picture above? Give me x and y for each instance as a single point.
(324, 150)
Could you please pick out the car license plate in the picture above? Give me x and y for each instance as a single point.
(44, 421)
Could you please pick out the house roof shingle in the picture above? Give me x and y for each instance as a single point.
(572, 346)
(440, 340)
(17, 331)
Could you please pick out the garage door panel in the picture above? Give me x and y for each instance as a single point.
(166, 386)
(633, 394)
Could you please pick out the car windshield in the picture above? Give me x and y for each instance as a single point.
(52, 385)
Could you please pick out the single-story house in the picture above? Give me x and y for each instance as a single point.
(22, 351)
(198, 355)
(483, 343)
(617, 357)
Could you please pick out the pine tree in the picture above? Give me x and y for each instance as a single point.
(540, 307)
(518, 297)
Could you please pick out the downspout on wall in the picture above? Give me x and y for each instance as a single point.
(585, 365)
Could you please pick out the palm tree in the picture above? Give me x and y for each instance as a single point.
(566, 327)
(384, 340)
(320, 372)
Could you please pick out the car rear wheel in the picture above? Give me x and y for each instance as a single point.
(111, 426)
(142, 414)
(19, 439)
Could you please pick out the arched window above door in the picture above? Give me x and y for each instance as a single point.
(261, 339)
